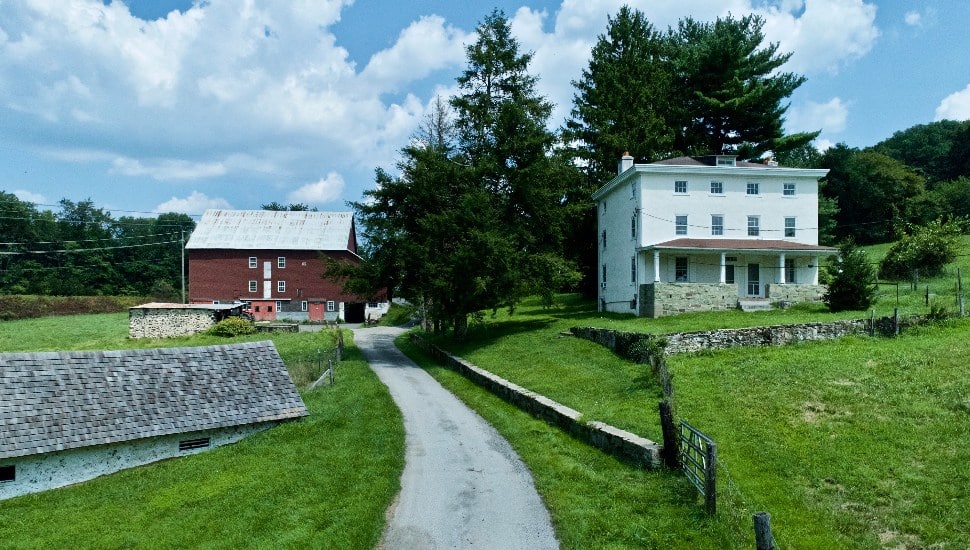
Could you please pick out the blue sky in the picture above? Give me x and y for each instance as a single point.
(173, 105)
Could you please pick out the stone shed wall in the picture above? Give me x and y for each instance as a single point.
(51, 470)
(165, 323)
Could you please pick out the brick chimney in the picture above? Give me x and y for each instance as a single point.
(626, 162)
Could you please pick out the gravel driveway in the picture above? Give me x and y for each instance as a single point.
(463, 486)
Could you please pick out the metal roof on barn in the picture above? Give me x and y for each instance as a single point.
(272, 230)
(53, 401)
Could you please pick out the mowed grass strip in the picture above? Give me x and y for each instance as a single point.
(323, 482)
(595, 500)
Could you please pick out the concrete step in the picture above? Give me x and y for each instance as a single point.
(754, 304)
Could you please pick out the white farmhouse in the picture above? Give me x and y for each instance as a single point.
(707, 233)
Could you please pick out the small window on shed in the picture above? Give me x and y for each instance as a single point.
(331, 305)
(197, 443)
(8, 473)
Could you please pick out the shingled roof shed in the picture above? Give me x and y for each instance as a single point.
(143, 405)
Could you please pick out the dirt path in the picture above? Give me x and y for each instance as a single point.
(463, 486)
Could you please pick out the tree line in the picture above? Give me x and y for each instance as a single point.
(82, 250)
(488, 205)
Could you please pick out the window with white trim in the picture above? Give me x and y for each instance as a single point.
(680, 224)
(280, 286)
(279, 305)
(680, 270)
(754, 226)
(790, 227)
(331, 305)
(717, 224)
(753, 188)
(304, 305)
(252, 262)
(680, 186)
(252, 286)
(281, 262)
(788, 190)
(717, 187)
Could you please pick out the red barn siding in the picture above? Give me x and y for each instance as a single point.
(224, 275)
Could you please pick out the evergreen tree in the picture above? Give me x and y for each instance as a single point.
(853, 280)
(728, 93)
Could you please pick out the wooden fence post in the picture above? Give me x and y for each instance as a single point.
(896, 321)
(671, 452)
(960, 292)
(710, 479)
(763, 539)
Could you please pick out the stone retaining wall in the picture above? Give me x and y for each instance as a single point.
(794, 294)
(638, 347)
(612, 440)
(165, 323)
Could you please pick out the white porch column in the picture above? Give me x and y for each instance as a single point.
(815, 277)
(781, 268)
(723, 269)
(656, 266)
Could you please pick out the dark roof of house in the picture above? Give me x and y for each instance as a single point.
(742, 244)
(52, 401)
(708, 160)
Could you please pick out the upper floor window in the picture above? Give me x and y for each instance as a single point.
(717, 187)
(680, 186)
(753, 188)
(633, 227)
(717, 224)
(789, 227)
(281, 286)
(681, 225)
(754, 226)
(788, 190)
(281, 262)
(252, 262)
(252, 286)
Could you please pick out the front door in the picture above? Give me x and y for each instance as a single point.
(754, 280)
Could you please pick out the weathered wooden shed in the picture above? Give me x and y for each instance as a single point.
(67, 417)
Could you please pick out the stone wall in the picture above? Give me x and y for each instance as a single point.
(617, 442)
(639, 347)
(662, 299)
(794, 294)
(165, 323)
(57, 469)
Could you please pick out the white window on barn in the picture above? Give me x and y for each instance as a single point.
(280, 286)
(680, 223)
(252, 262)
(304, 305)
(790, 227)
(281, 262)
(252, 286)
(331, 305)
(279, 305)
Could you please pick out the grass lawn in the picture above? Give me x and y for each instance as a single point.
(859, 443)
(322, 482)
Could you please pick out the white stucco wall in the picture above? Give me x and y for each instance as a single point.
(58, 469)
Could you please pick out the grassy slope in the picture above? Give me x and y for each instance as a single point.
(851, 444)
(321, 482)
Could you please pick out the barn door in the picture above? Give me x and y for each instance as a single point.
(267, 289)
(267, 270)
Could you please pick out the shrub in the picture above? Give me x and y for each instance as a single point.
(232, 326)
(925, 249)
(852, 287)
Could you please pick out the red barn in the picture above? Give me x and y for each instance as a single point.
(273, 260)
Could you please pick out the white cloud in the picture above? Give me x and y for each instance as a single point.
(167, 169)
(830, 117)
(29, 196)
(325, 190)
(955, 106)
(196, 203)
(913, 18)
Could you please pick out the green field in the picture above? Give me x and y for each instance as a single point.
(321, 482)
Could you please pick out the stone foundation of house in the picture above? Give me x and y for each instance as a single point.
(662, 299)
(793, 294)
